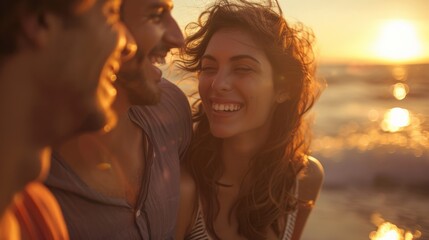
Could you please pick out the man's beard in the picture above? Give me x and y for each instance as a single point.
(131, 77)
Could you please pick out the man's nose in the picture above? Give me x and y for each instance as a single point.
(173, 36)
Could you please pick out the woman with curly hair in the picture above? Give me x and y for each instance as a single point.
(248, 174)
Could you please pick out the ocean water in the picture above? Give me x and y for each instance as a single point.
(364, 134)
(371, 133)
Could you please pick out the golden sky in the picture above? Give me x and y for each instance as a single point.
(352, 31)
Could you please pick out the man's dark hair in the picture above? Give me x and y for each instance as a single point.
(11, 12)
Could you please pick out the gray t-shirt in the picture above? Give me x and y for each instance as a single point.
(92, 215)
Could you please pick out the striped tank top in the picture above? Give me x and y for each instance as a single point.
(199, 230)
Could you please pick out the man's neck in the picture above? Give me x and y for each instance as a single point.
(19, 152)
(111, 163)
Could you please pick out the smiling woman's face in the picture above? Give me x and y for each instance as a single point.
(236, 85)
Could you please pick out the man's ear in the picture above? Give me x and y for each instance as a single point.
(282, 96)
(36, 29)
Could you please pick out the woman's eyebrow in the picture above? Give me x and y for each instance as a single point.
(208, 57)
(239, 57)
(234, 58)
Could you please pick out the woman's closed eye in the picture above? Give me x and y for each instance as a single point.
(208, 69)
(243, 69)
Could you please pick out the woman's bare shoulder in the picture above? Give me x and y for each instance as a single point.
(188, 204)
(311, 180)
(314, 171)
(187, 182)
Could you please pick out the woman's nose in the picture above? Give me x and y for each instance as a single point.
(222, 81)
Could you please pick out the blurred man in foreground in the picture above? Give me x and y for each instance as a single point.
(58, 61)
(125, 184)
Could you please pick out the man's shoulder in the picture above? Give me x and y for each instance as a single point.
(173, 105)
(172, 92)
(171, 118)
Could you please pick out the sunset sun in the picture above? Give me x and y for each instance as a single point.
(398, 41)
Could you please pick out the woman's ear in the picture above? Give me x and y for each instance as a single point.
(282, 96)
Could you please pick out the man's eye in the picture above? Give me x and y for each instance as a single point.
(156, 16)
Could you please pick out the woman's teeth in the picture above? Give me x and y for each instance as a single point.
(229, 107)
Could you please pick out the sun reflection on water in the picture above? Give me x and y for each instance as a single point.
(389, 231)
(387, 128)
(400, 91)
(395, 119)
(399, 73)
(396, 128)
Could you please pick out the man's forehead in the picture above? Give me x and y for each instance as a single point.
(158, 3)
(139, 7)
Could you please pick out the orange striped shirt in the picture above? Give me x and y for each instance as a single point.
(38, 214)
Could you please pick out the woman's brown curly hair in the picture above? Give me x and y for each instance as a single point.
(273, 172)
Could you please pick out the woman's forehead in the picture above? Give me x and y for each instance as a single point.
(233, 41)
